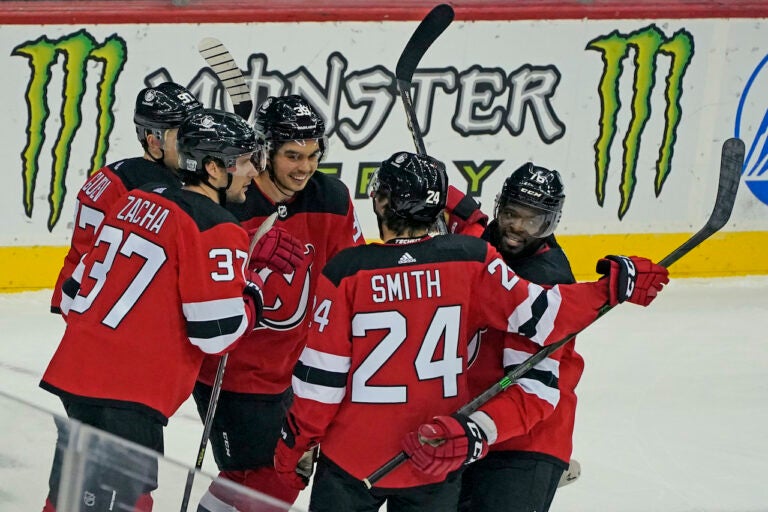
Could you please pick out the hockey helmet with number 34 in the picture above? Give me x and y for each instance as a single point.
(539, 191)
(283, 119)
(214, 134)
(416, 185)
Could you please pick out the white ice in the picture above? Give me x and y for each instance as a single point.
(673, 404)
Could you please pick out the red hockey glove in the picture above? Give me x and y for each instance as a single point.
(445, 445)
(464, 215)
(277, 250)
(634, 279)
(254, 301)
(288, 455)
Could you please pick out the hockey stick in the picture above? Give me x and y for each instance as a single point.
(223, 65)
(426, 33)
(213, 401)
(731, 163)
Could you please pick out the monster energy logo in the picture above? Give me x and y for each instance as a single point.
(648, 43)
(77, 50)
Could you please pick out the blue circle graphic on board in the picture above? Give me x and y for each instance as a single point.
(752, 128)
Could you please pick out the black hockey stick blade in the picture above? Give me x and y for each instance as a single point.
(223, 65)
(731, 164)
(426, 33)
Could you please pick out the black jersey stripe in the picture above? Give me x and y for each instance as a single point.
(312, 375)
(549, 379)
(538, 308)
(209, 329)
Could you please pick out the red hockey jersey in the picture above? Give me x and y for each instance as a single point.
(554, 379)
(94, 201)
(321, 216)
(387, 349)
(161, 286)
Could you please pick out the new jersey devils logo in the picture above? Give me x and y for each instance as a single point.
(286, 296)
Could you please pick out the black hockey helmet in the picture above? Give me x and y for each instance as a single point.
(416, 185)
(163, 106)
(538, 189)
(213, 133)
(286, 118)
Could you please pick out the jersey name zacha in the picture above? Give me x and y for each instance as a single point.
(144, 213)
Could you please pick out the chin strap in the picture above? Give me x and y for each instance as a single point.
(280, 189)
(221, 191)
(158, 160)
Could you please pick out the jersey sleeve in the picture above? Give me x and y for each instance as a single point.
(211, 284)
(349, 233)
(544, 315)
(94, 201)
(320, 376)
(463, 214)
(531, 399)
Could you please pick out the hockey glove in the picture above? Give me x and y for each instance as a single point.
(288, 458)
(446, 444)
(464, 214)
(277, 250)
(634, 279)
(254, 301)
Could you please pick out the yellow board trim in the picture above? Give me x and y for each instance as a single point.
(724, 254)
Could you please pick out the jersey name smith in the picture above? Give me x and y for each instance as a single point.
(414, 284)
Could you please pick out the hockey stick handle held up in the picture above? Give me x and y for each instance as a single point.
(430, 28)
(731, 163)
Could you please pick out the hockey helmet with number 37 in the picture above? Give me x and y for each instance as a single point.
(216, 134)
(416, 185)
(539, 191)
(283, 119)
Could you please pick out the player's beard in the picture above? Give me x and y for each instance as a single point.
(379, 220)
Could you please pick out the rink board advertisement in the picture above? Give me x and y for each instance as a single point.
(631, 112)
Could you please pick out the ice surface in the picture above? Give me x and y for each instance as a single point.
(672, 415)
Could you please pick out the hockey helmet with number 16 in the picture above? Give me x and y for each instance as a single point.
(216, 134)
(416, 185)
(540, 192)
(283, 119)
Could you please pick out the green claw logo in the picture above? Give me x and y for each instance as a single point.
(648, 43)
(43, 54)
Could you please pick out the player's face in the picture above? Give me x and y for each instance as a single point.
(170, 155)
(294, 163)
(242, 174)
(515, 224)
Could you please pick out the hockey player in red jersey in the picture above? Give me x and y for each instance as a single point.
(316, 209)
(163, 285)
(158, 113)
(387, 349)
(521, 474)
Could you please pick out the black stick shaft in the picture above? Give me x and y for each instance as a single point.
(213, 402)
